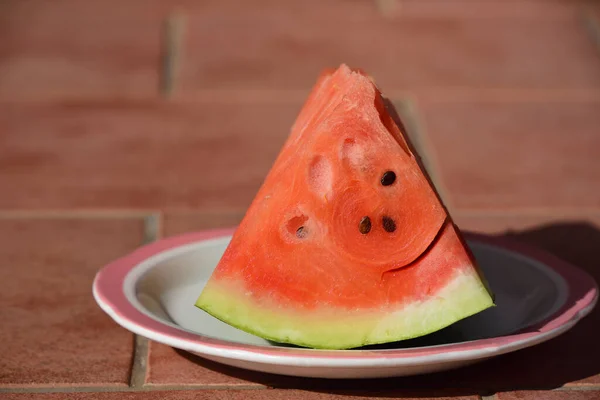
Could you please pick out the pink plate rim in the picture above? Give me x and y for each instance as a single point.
(109, 294)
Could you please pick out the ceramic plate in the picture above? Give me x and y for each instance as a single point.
(152, 291)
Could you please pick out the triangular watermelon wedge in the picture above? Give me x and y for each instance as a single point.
(346, 243)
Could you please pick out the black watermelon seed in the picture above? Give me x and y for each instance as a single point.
(388, 224)
(388, 178)
(365, 225)
(301, 233)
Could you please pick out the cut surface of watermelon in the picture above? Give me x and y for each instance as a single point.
(346, 242)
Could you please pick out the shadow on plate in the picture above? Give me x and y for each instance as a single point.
(570, 359)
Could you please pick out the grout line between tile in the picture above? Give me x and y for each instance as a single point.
(578, 388)
(457, 94)
(152, 227)
(202, 386)
(125, 389)
(387, 8)
(208, 211)
(139, 366)
(171, 53)
(592, 26)
(75, 213)
(439, 94)
(160, 222)
(529, 212)
(157, 217)
(467, 212)
(64, 389)
(119, 213)
(188, 387)
(416, 128)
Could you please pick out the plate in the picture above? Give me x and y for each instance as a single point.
(151, 292)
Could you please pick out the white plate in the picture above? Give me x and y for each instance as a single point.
(152, 291)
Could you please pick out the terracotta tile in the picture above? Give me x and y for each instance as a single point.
(268, 46)
(508, 155)
(513, 223)
(213, 395)
(176, 223)
(593, 8)
(514, 9)
(70, 53)
(332, 9)
(139, 154)
(283, 48)
(168, 366)
(52, 331)
(591, 17)
(555, 395)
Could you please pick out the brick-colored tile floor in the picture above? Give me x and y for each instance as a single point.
(53, 333)
(70, 52)
(219, 395)
(533, 395)
(534, 154)
(420, 52)
(131, 155)
(168, 366)
(125, 121)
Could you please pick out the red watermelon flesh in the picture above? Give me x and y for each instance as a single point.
(346, 242)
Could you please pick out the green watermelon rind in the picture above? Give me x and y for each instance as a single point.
(464, 296)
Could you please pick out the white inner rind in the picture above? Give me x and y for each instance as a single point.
(335, 328)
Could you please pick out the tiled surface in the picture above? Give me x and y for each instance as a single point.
(515, 155)
(168, 366)
(175, 223)
(592, 21)
(426, 52)
(503, 100)
(569, 360)
(52, 331)
(71, 54)
(572, 225)
(213, 395)
(510, 9)
(478, 46)
(533, 395)
(138, 154)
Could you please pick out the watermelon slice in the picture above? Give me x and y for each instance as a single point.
(346, 242)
